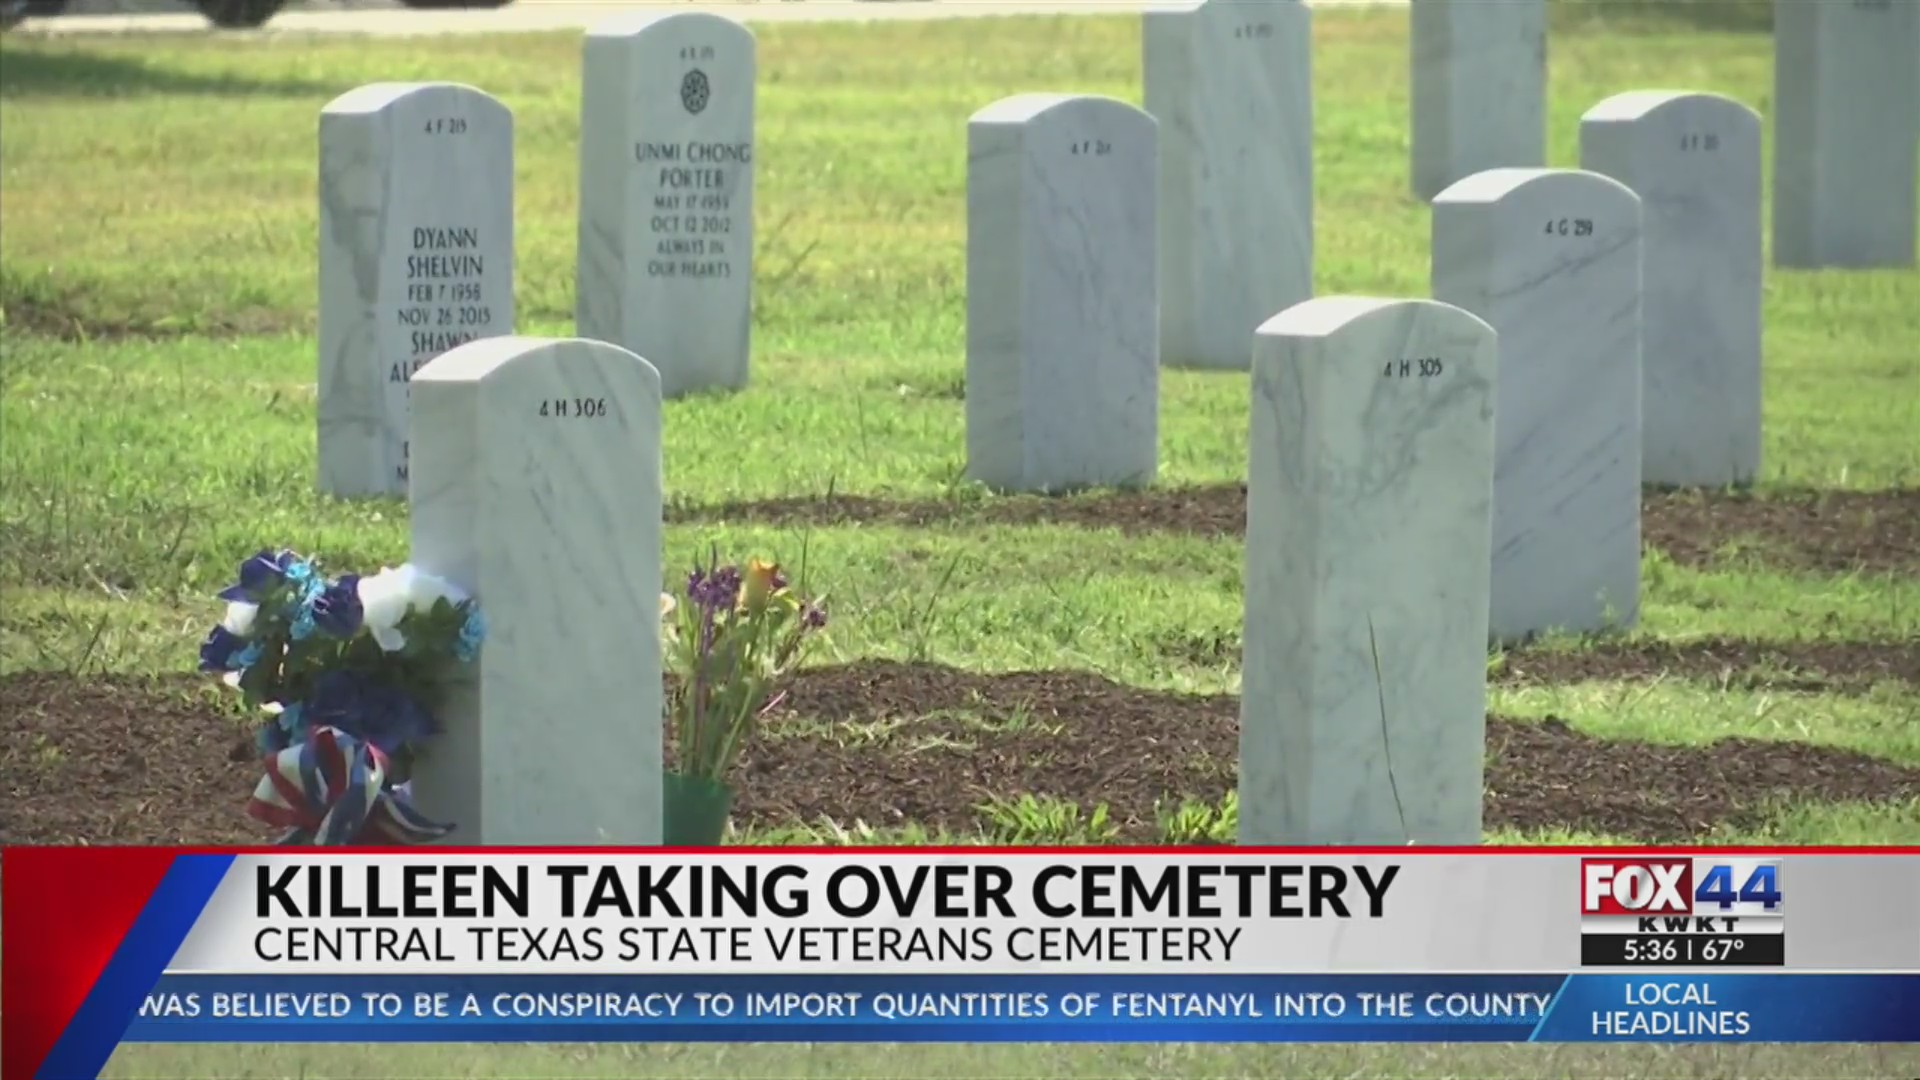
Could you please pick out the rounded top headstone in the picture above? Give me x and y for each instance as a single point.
(1023, 108)
(477, 360)
(623, 26)
(1640, 104)
(376, 96)
(1239, 7)
(1494, 185)
(1324, 316)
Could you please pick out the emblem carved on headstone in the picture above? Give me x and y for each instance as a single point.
(695, 90)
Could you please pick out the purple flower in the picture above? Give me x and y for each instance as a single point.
(814, 616)
(219, 650)
(387, 717)
(336, 610)
(722, 589)
(259, 576)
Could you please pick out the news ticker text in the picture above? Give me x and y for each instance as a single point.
(1578, 1007)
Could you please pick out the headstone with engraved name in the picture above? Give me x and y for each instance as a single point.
(1231, 84)
(537, 488)
(1846, 103)
(1694, 160)
(1369, 485)
(416, 257)
(1551, 259)
(1479, 88)
(666, 195)
(1063, 348)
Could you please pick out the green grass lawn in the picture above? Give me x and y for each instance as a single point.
(157, 278)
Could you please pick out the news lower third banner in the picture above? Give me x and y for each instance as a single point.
(104, 946)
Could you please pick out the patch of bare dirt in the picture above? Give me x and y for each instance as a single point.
(121, 761)
(126, 761)
(1835, 531)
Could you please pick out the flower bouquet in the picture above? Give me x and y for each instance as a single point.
(343, 667)
(728, 645)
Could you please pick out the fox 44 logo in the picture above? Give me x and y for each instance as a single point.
(1708, 896)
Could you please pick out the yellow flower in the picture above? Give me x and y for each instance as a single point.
(761, 579)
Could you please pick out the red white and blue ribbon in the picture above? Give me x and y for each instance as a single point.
(331, 790)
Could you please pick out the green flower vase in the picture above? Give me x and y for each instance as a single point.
(695, 811)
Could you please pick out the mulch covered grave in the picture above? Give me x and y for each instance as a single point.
(1832, 531)
(137, 761)
(1822, 666)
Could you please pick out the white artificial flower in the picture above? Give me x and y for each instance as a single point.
(383, 603)
(239, 620)
(424, 590)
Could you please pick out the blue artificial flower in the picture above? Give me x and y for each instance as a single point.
(385, 716)
(246, 658)
(300, 573)
(259, 576)
(287, 729)
(217, 652)
(335, 608)
(302, 626)
(292, 720)
(472, 633)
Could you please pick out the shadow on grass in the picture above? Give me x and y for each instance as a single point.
(62, 72)
(50, 302)
(1828, 531)
(1663, 16)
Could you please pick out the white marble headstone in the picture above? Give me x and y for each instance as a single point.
(666, 195)
(1694, 160)
(1369, 484)
(1846, 104)
(537, 487)
(1479, 88)
(1231, 84)
(1551, 258)
(416, 257)
(1063, 347)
